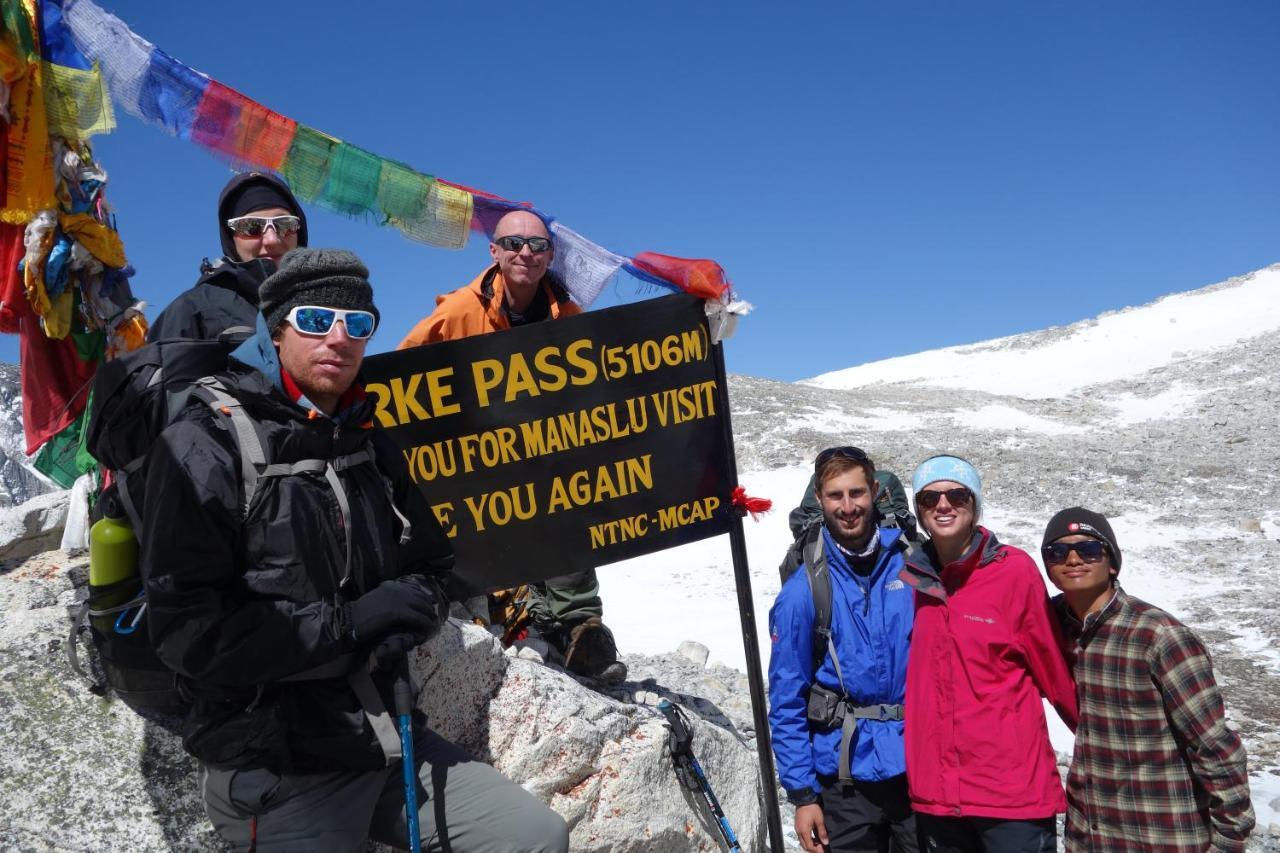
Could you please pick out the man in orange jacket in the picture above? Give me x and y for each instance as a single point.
(516, 290)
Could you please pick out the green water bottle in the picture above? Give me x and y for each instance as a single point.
(113, 559)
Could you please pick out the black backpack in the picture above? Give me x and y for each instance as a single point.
(136, 396)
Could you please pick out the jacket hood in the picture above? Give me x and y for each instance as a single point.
(234, 188)
(243, 278)
(259, 353)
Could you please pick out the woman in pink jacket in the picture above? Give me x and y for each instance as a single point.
(985, 649)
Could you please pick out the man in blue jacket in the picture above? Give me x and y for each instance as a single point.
(835, 694)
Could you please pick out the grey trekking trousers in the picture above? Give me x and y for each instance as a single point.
(464, 806)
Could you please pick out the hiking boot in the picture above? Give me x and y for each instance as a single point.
(592, 652)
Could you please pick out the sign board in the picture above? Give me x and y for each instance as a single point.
(564, 444)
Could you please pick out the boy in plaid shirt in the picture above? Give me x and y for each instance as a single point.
(1155, 766)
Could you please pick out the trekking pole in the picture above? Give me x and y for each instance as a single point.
(686, 764)
(404, 711)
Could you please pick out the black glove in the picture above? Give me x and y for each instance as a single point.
(412, 604)
(394, 648)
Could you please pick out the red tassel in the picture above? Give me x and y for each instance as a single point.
(744, 503)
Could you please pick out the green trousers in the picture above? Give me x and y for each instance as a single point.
(566, 600)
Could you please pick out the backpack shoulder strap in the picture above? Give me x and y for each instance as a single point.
(253, 459)
(819, 576)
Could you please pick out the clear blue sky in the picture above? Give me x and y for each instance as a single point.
(878, 178)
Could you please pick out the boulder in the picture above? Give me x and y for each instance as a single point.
(600, 759)
(82, 772)
(33, 527)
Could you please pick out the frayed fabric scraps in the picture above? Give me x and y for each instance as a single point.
(100, 240)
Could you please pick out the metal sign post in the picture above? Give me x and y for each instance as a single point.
(747, 613)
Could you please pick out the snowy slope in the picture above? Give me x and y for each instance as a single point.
(1113, 346)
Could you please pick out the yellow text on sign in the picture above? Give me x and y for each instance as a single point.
(552, 371)
(637, 526)
(403, 399)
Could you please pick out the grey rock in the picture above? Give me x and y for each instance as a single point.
(33, 527)
(694, 652)
(79, 772)
(597, 757)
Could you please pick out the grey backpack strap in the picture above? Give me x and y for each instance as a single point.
(819, 576)
(849, 730)
(344, 506)
(406, 528)
(73, 655)
(131, 509)
(379, 719)
(361, 682)
(336, 668)
(329, 468)
(252, 458)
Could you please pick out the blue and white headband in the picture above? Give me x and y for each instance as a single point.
(952, 468)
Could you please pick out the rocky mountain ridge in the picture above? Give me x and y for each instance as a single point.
(18, 482)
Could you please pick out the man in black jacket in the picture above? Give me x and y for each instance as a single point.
(258, 221)
(285, 593)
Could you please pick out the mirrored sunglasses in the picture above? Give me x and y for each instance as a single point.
(256, 226)
(957, 497)
(1090, 550)
(537, 245)
(316, 320)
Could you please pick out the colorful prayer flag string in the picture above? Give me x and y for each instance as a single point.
(153, 86)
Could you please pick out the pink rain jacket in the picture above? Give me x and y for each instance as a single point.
(985, 649)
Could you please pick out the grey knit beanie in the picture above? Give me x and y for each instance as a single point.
(331, 278)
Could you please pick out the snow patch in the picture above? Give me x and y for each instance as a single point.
(1009, 419)
(1168, 404)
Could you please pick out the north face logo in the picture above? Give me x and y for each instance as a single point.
(894, 584)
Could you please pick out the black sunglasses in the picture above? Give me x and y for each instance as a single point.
(959, 496)
(537, 245)
(1090, 550)
(847, 451)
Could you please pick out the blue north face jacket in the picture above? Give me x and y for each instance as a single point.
(871, 622)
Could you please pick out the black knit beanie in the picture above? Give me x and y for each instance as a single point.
(330, 278)
(249, 192)
(1078, 520)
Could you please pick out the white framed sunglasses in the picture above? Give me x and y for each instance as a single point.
(318, 320)
(256, 226)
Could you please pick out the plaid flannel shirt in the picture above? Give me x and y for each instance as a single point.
(1155, 766)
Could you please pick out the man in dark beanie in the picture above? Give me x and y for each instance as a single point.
(258, 221)
(1155, 765)
(290, 566)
